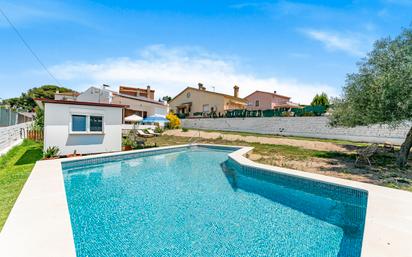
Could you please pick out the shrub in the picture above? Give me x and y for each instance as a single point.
(185, 129)
(39, 118)
(51, 152)
(174, 121)
(158, 129)
(134, 143)
(181, 115)
(127, 142)
(287, 114)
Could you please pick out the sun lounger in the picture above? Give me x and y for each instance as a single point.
(153, 133)
(143, 134)
(366, 153)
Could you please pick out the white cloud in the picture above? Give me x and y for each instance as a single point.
(170, 70)
(350, 43)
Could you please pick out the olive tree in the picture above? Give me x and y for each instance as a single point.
(380, 92)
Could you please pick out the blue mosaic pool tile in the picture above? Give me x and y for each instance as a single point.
(352, 202)
(112, 207)
(120, 157)
(337, 192)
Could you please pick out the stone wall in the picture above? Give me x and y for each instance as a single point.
(316, 127)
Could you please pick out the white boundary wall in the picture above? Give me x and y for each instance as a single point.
(316, 127)
(11, 134)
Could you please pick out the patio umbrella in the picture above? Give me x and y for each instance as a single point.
(133, 118)
(155, 118)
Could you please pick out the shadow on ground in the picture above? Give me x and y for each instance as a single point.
(30, 157)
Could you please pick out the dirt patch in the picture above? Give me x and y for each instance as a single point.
(254, 157)
(383, 171)
(306, 144)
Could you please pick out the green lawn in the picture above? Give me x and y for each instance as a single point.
(15, 168)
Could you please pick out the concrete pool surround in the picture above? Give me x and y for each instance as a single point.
(39, 223)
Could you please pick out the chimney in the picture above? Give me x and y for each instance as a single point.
(274, 92)
(148, 91)
(201, 87)
(236, 91)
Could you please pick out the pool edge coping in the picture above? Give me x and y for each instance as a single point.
(388, 221)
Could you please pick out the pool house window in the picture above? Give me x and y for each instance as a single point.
(96, 123)
(81, 123)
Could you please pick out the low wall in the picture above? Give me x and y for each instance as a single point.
(316, 127)
(9, 135)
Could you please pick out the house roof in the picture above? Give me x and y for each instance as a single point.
(45, 100)
(210, 92)
(68, 93)
(140, 98)
(270, 93)
(134, 88)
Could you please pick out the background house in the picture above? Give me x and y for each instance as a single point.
(66, 96)
(193, 101)
(134, 98)
(141, 106)
(260, 100)
(133, 91)
(84, 127)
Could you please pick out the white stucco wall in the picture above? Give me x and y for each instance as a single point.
(57, 119)
(12, 134)
(95, 95)
(316, 127)
(134, 104)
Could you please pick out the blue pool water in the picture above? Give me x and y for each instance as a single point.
(194, 202)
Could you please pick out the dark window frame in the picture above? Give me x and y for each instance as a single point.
(93, 118)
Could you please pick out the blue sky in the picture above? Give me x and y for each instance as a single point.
(297, 48)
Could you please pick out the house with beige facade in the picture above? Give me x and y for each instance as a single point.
(201, 102)
(260, 100)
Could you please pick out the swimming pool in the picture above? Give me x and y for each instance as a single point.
(197, 201)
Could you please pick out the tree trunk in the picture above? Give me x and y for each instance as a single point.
(405, 149)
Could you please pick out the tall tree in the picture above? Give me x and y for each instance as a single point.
(26, 102)
(321, 100)
(166, 98)
(381, 91)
